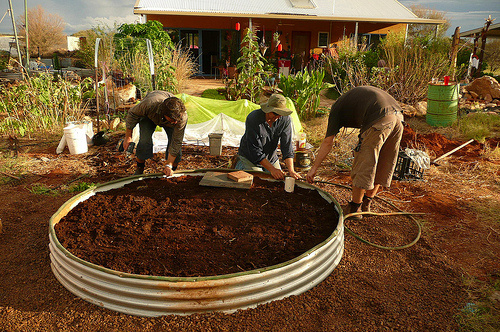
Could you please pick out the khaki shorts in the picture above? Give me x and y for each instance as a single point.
(376, 159)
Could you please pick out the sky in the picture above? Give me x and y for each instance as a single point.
(81, 15)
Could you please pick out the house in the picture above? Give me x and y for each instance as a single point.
(213, 29)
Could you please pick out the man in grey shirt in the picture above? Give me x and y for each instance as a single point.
(380, 120)
(158, 108)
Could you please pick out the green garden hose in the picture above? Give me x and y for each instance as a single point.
(410, 215)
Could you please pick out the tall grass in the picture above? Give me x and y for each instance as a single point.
(185, 66)
(172, 66)
(411, 66)
(347, 68)
(41, 105)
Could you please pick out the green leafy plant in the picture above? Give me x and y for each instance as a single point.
(172, 64)
(304, 89)
(81, 186)
(41, 189)
(251, 76)
(86, 53)
(41, 105)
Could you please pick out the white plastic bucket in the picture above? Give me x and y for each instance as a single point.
(86, 126)
(76, 139)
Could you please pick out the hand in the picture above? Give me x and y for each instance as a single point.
(295, 175)
(277, 174)
(310, 175)
(168, 171)
(126, 142)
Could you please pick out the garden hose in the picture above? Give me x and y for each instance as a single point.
(410, 215)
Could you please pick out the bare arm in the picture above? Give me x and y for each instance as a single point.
(291, 170)
(128, 139)
(324, 150)
(275, 172)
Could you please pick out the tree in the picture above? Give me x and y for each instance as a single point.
(422, 30)
(492, 56)
(45, 31)
(152, 30)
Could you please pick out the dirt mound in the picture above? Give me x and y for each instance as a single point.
(436, 144)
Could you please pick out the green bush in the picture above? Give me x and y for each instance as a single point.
(41, 105)
(252, 76)
(304, 88)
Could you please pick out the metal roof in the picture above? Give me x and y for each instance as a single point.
(493, 32)
(338, 10)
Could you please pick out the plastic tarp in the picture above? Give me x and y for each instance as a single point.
(206, 116)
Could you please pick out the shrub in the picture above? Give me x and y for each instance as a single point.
(411, 66)
(41, 105)
(348, 69)
(304, 88)
(251, 76)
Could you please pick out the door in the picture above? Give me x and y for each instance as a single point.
(190, 41)
(301, 44)
(210, 52)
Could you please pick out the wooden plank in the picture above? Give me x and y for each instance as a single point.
(218, 179)
(450, 152)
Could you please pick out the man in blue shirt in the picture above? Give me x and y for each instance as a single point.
(265, 128)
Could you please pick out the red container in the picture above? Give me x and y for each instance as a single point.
(446, 80)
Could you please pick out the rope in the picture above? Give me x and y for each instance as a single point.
(409, 214)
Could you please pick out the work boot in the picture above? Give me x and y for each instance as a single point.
(139, 170)
(352, 207)
(367, 202)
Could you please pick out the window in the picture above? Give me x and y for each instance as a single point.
(323, 39)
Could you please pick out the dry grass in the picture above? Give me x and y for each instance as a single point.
(420, 126)
(185, 66)
(340, 156)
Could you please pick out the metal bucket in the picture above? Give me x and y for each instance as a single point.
(302, 160)
(215, 143)
(144, 295)
(442, 104)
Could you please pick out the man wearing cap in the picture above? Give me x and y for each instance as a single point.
(265, 128)
(380, 120)
(158, 108)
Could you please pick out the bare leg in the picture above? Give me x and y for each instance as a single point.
(357, 195)
(371, 193)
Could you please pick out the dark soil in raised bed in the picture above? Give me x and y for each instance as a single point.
(175, 227)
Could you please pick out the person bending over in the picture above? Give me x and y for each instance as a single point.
(158, 108)
(265, 128)
(380, 120)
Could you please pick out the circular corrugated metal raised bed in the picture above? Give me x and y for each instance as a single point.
(158, 295)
